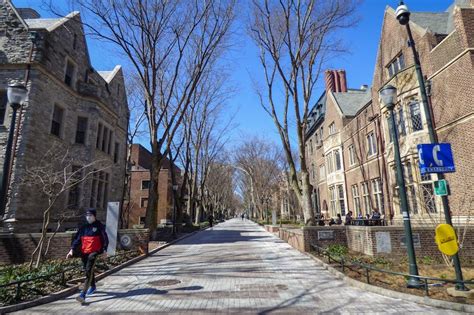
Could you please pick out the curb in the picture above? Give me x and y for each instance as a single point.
(70, 291)
(394, 294)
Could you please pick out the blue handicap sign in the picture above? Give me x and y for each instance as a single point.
(435, 158)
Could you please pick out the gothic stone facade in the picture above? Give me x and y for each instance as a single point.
(71, 110)
(365, 171)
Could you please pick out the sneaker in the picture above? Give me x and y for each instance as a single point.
(81, 298)
(91, 291)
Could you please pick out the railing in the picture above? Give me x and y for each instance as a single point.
(62, 280)
(368, 222)
(350, 264)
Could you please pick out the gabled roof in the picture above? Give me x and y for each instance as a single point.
(351, 101)
(437, 23)
(41, 23)
(109, 75)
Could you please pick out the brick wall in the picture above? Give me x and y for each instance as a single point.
(17, 248)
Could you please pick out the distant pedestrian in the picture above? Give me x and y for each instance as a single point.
(339, 219)
(92, 240)
(321, 220)
(243, 216)
(211, 220)
(332, 222)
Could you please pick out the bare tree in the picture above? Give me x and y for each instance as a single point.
(169, 44)
(56, 174)
(294, 39)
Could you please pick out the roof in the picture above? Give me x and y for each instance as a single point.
(351, 101)
(435, 22)
(316, 114)
(41, 23)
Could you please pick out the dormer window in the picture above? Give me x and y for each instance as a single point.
(396, 65)
(70, 72)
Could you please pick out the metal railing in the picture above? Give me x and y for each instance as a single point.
(368, 222)
(368, 268)
(62, 280)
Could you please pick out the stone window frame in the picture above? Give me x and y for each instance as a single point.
(141, 184)
(333, 200)
(322, 172)
(141, 202)
(351, 153)
(77, 172)
(371, 144)
(99, 189)
(332, 128)
(341, 200)
(337, 160)
(396, 65)
(63, 118)
(377, 190)
(367, 201)
(105, 147)
(69, 60)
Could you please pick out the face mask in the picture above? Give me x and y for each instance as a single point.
(90, 219)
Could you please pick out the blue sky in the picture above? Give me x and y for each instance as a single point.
(250, 119)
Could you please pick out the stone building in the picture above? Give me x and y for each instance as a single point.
(140, 183)
(72, 111)
(363, 178)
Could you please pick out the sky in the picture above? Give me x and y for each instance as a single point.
(250, 119)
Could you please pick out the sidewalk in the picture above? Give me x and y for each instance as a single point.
(235, 268)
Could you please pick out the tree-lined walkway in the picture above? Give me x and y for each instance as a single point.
(235, 268)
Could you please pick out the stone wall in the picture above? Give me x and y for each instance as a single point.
(294, 237)
(17, 248)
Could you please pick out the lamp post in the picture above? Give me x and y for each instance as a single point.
(16, 95)
(175, 190)
(388, 95)
(403, 16)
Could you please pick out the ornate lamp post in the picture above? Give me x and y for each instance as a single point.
(403, 16)
(16, 95)
(388, 95)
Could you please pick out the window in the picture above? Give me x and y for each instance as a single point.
(74, 196)
(142, 220)
(70, 71)
(105, 139)
(311, 146)
(352, 159)
(99, 190)
(337, 160)
(322, 174)
(109, 144)
(99, 136)
(332, 194)
(57, 121)
(313, 172)
(371, 144)
(356, 198)
(415, 113)
(321, 133)
(332, 128)
(145, 184)
(81, 130)
(396, 65)
(143, 202)
(116, 152)
(378, 196)
(427, 193)
(342, 203)
(330, 163)
(366, 196)
(3, 106)
(401, 123)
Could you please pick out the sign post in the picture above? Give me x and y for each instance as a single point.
(441, 187)
(111, 226)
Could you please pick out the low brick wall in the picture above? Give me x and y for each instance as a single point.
(390, 240)
(272, 228)
(17, 248)
(373, 240)
(294, 237)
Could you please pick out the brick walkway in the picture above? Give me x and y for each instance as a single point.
(236, 268)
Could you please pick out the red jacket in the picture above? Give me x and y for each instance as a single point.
(92, 238)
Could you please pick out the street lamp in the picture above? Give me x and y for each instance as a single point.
(16, 95)
(403, 16)
(388, 95)
(175, 190)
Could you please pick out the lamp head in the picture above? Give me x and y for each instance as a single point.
(402, 13)
(388, 95)
(16, 93)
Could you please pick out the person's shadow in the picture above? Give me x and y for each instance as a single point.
(136, 292)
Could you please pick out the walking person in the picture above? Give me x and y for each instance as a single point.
(92, 241)
(211, 220)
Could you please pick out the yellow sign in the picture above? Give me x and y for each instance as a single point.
(446, 239)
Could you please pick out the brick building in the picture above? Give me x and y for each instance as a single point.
(362, 179)
(140, 183)
(71, 109)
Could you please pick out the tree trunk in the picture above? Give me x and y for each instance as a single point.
(152, 208)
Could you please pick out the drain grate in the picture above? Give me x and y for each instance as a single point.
(164, 282)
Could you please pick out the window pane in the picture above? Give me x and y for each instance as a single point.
(57, 121)
(69, 73)
(81, 130)
(99, 134)
(338, 160)
(415, 114)
(116, 152)
(401, 61)
(145, 184)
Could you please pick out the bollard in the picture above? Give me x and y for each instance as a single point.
(18, 291)
(342, 263)
(427, 293)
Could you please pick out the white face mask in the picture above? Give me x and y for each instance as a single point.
(90, 219)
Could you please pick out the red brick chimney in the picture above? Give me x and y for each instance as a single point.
(335, 80)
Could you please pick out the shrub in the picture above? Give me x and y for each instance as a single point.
(337, 250)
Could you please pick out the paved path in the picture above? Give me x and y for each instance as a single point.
(236, 268)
